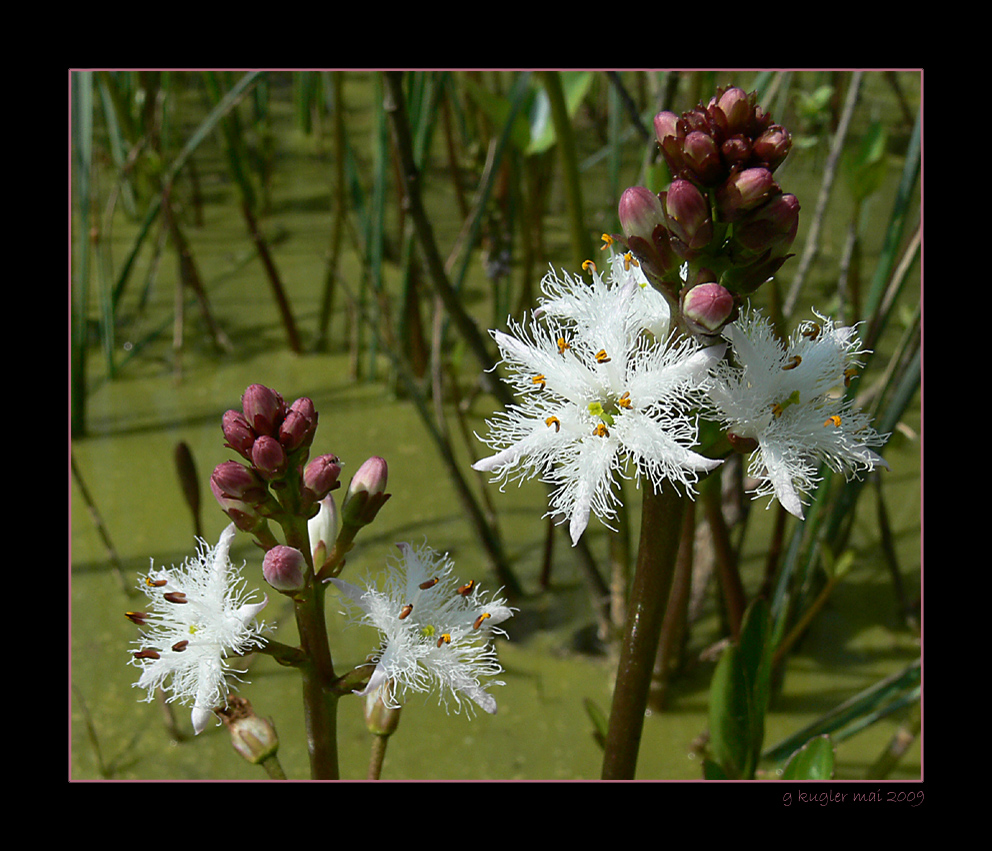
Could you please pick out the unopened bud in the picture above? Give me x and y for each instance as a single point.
(366, 493)
(238, 435)
(702, 157)
(744, 191)
(269, 458)
(299, 426)
(688, 215)
(320, 476)
(323, 530)
(738, 110)
(707, 307)
(285, 569)
(772, 225)
(232, 480)
(772, 146)
(382, 716)
(640, 212)
(264, 409)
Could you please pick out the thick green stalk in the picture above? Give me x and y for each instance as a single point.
(661, 525)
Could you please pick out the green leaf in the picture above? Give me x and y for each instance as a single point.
(813, 761)
(730, 717)
(756, 659)
(576, 85)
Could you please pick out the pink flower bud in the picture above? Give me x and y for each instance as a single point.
(320, 476)
(264, 409)
(702, 157)
(285, 569)
(366, 493)
(269, 458)
(238, 435)
(688, 215)
(707, 308)
(737, 109)
(300, 425)
(232, 480)
(744, 191)
(640, 212)
(772, 146)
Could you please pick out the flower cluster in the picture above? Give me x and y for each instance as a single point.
(275, 439)
(787, 406)
(723, 215)
(435, 632)
(600, 396)
(199, 614)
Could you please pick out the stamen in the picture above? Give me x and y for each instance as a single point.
(793, 399)
(430, 583)
(832, 420)
(466, 589)
(848, 375)
(155, 583)
(539, 379)
(147, 654)
(607, 241)
(562, 345)
(444, 639)
(588, 266)
(624, 401)
(179, 646)
(794, 361)
(140, 618)
(601, 356)
(628, 261)
(601, 430)
(176, 597)
(553, 421)
(405, 611)
(480, 619)
(813, 332)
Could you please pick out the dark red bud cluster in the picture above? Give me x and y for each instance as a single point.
(275, 440)
(731, 133)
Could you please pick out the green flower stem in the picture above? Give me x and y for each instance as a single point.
(661, 526)
(320, 702)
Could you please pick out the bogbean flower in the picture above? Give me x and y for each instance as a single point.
(435, 633)
(786, 405)
(598, 396)
(199, 615)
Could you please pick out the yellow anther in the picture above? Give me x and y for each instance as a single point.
(794, 361)
(628, 261)
(601, 356)
(444, 639)
(624, 401)
(480, 619)
(405, 611)
(848, 375)
(539, 379)
(601, 430)
(607, 241)
(588, 266)
(813, 332)
(466, 589)
(155, 583)
(553, 421)
(562, 345)
(430, 583)
(833, 420)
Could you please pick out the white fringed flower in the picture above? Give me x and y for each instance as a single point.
(200, 613)
(790, 400)
(435, 633)
(597, 394)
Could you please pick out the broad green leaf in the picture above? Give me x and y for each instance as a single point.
(813, 761)
(730, 718)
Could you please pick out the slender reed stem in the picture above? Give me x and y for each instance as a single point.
(661, 526)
